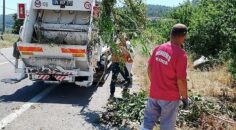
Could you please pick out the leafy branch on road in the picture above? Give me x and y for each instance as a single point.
(125, 112)
(203, 112)
(128, 113)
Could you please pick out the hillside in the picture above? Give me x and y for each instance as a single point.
(9, 21)
(157, 10)
(152, 11)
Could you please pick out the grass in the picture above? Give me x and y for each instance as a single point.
(213, 83)
(140, 70)
(8, 40)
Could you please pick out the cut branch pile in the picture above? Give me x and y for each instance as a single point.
(125, 112)
(203, 113)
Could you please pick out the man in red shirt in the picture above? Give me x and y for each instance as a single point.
(167, 73)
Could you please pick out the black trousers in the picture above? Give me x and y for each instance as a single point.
(116, 69)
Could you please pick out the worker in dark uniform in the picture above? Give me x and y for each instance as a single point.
(120, 56)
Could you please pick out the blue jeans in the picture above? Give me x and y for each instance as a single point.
(165, 110)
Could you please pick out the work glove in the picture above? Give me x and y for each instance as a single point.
(185, 103)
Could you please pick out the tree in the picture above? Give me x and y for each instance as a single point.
(182, 13)
(17, 24)
(132, 16)
(212, 29)
(115, 21)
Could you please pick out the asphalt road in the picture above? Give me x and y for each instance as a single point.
(31, 105)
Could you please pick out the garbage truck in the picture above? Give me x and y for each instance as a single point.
(59, 42)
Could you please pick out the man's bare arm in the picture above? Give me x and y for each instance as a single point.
(182, 85)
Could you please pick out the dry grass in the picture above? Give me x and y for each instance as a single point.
(8, 40)
(211, 123)
(216, 82)
(140, 71)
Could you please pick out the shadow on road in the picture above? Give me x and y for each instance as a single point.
(64, 93)
(93, 118)
(25, 93)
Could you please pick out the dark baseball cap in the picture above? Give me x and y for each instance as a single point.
(179, 30)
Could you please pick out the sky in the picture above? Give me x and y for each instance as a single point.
(12, 4)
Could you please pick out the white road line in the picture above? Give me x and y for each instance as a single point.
(11, 117)
(3, 63)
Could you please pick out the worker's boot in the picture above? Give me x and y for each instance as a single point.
(125, 92)
(111, 98)
(128, 84)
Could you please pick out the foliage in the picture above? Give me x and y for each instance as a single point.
(201, 108)
(211, 29)
(182, 13)
(106, 26)
(116, 21)
(160, 27)
(155, 33)
(17, 24)
(126, 111)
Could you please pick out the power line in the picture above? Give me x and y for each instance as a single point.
(8, 8)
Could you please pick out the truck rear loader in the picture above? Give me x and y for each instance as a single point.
(59, 42)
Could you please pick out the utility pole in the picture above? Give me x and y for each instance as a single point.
(3, 17)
